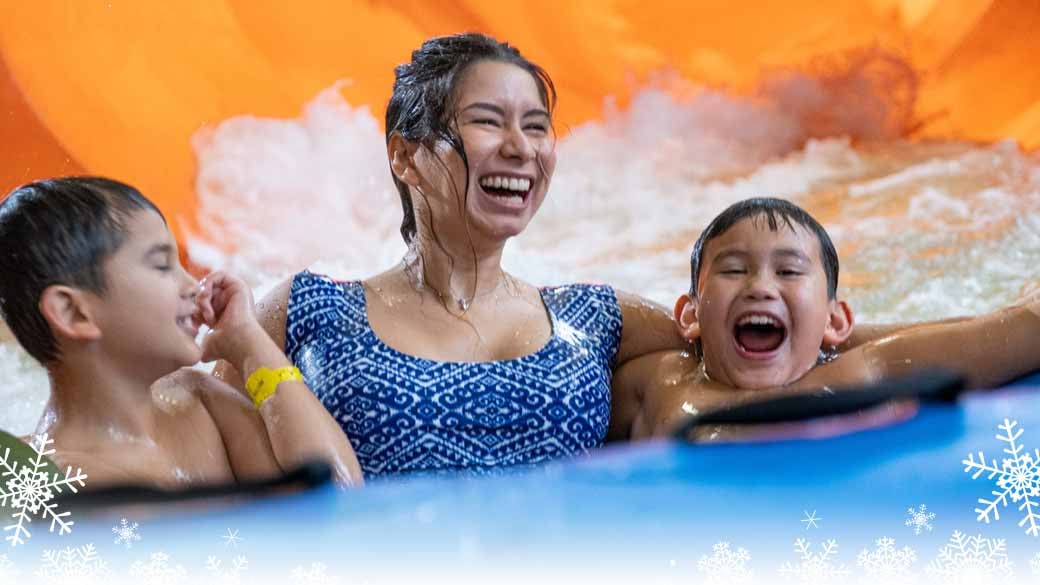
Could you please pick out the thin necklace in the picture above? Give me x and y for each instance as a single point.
(464, 303)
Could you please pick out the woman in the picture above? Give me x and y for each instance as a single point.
(446, 361)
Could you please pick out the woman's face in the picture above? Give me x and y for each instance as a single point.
(507, 134)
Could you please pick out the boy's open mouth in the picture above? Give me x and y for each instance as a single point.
(509, 190)
(759, 333)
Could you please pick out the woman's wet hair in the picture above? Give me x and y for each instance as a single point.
(422, 106)
(774, 212)
(58, 231)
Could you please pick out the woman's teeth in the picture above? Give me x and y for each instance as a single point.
(506, 183)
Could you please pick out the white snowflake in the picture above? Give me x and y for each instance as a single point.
(725, 565)
(7, 571)
(315, 575)
(971, 559)
(1019, 478)
(814, 568)
(886, 564)
(920, 519)
(1035, 565)
(30, 489)
(232, 538)
(158, 571)
(231, 574)
(126, 533)
(80, 565)
(811, 519)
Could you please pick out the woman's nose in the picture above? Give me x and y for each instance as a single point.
(517, 144)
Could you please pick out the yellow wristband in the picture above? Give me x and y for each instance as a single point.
(262, 383)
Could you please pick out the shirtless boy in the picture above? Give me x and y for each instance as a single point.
(764, 315)
(92, 287)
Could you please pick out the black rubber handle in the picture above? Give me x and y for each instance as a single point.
(926, 386)
(306, 476)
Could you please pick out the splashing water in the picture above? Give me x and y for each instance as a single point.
(924, 230)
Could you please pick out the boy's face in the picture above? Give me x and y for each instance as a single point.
(762, 305)
(145, 313)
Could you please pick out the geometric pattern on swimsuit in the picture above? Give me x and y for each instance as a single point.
(407, 415)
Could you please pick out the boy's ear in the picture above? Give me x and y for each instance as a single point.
(402, 160)
(839, 324)
(686, 318)
(68, 313)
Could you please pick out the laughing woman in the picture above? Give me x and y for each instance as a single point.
(445, 362)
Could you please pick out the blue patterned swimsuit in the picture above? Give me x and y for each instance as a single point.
(405, 414)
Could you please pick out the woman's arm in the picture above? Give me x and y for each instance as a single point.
(646, 327)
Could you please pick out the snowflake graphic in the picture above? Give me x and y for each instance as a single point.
(158, 571)
(232, 538)
(126, 533)
(970, 560)
(80, 565)
(886, 564)
(814, 568)
(1019, 478)
(30, 489)
(7, 570)
(811, 519)
(920, 519)
(1035, 565)
(725, 566)
(315, 575)
(231, 575)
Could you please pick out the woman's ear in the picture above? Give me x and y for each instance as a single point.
(402, 159)
(686, 318)
(839, 324)
(68, 313)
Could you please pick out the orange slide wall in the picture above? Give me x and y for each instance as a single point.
(118, 87)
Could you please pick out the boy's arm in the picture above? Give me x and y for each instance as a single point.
(241, 428)
(987, 350)
(652, 392)
(627, 388)
(866, 333)
(297, 425)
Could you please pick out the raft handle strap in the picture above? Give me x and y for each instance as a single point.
(933, 386)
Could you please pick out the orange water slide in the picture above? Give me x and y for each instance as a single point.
(118, 87)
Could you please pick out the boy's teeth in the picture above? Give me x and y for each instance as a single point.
(758, 320)
(508, 183)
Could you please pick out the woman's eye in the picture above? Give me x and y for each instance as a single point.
(789, 273)
(537, 127)
(732, 271)
(486, 121)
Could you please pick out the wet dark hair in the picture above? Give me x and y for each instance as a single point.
(58, 231)
(421, 108)
(774, 211)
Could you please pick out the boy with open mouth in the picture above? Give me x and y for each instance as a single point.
(765, 320)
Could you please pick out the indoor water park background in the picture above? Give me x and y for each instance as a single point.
(910, 128)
